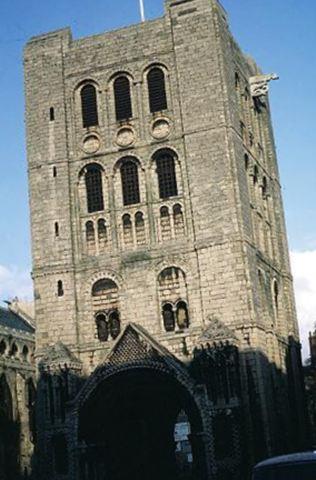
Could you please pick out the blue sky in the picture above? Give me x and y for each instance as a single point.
(279, 34)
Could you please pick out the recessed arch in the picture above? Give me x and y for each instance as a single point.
(166, 172)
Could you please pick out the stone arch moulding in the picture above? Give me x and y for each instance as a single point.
(175, 262)
(156, 64)
(110, 274)
(135, 350)
(120, 73)
(118, 163)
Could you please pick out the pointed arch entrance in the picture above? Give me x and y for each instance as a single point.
(139, 417)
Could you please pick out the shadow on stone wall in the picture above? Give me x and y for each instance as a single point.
(120, 422)
(10, 432)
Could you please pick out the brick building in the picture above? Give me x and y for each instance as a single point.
(17, 391)
(167, 339)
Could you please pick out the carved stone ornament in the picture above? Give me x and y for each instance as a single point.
(125, 137)
(160, 129)
(91, 144)
(259, 85)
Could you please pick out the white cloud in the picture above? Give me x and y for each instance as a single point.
(15, 282)
(304, 273)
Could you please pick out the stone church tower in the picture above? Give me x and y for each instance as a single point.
(167, 340)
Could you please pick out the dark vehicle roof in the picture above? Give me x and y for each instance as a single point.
(288, 459)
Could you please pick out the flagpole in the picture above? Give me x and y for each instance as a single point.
(142, 10)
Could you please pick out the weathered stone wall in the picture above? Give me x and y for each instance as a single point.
(231, 246)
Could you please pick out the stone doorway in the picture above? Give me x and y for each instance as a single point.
(140, 424)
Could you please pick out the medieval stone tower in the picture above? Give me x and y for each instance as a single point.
(166, 328)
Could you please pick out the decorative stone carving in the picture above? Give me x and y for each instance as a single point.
(216, 331)
(259, 84)
(91, 144)
(125, 137)
(160, 129)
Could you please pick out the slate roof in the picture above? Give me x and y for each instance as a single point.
(12, 320)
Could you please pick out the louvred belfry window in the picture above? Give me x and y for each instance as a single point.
(157, 90)
(130, 183)
(94, 189)
(166, 175)
(122, 96)
(89, 106)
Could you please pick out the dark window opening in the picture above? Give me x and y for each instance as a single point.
(3, 347)
(139, 219)
(89, 106)
(60, 288)
(168, 317)
(276, 295)
(182, 316)
(25, 353)
(164, 212)
(157, 90)
(13, 350)
(102, 286)
(102, 327)
(51, 114)
(255, 175)
(166, 175)
(127, 220)
(54, 172)
(60, 450)
(264, 187)
(56, 229)
(130, 183)
(89, 231)
(246, 158)
(94, 189)
(115, 325)
(122, 96)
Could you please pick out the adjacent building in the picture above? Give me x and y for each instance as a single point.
(17, 391)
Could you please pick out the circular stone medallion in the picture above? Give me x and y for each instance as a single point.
(125, 137)
(160, 128)
(91, 144)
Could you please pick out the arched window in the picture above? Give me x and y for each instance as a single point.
(157, 90)
(166, 172)
(25, 353)
(114, 323)
(178, 220)
(103, 287)
(122, 96)
(130, 183)
(102, 327)
(89, 106)
(105, 301)
(127, 229)
(168, 317)
(13, 350)
(94, 190)
(140, 228)
(102, 234)
(3, 347)
(182, 315)
(89, 231)
(165, 224)
(173, 296)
